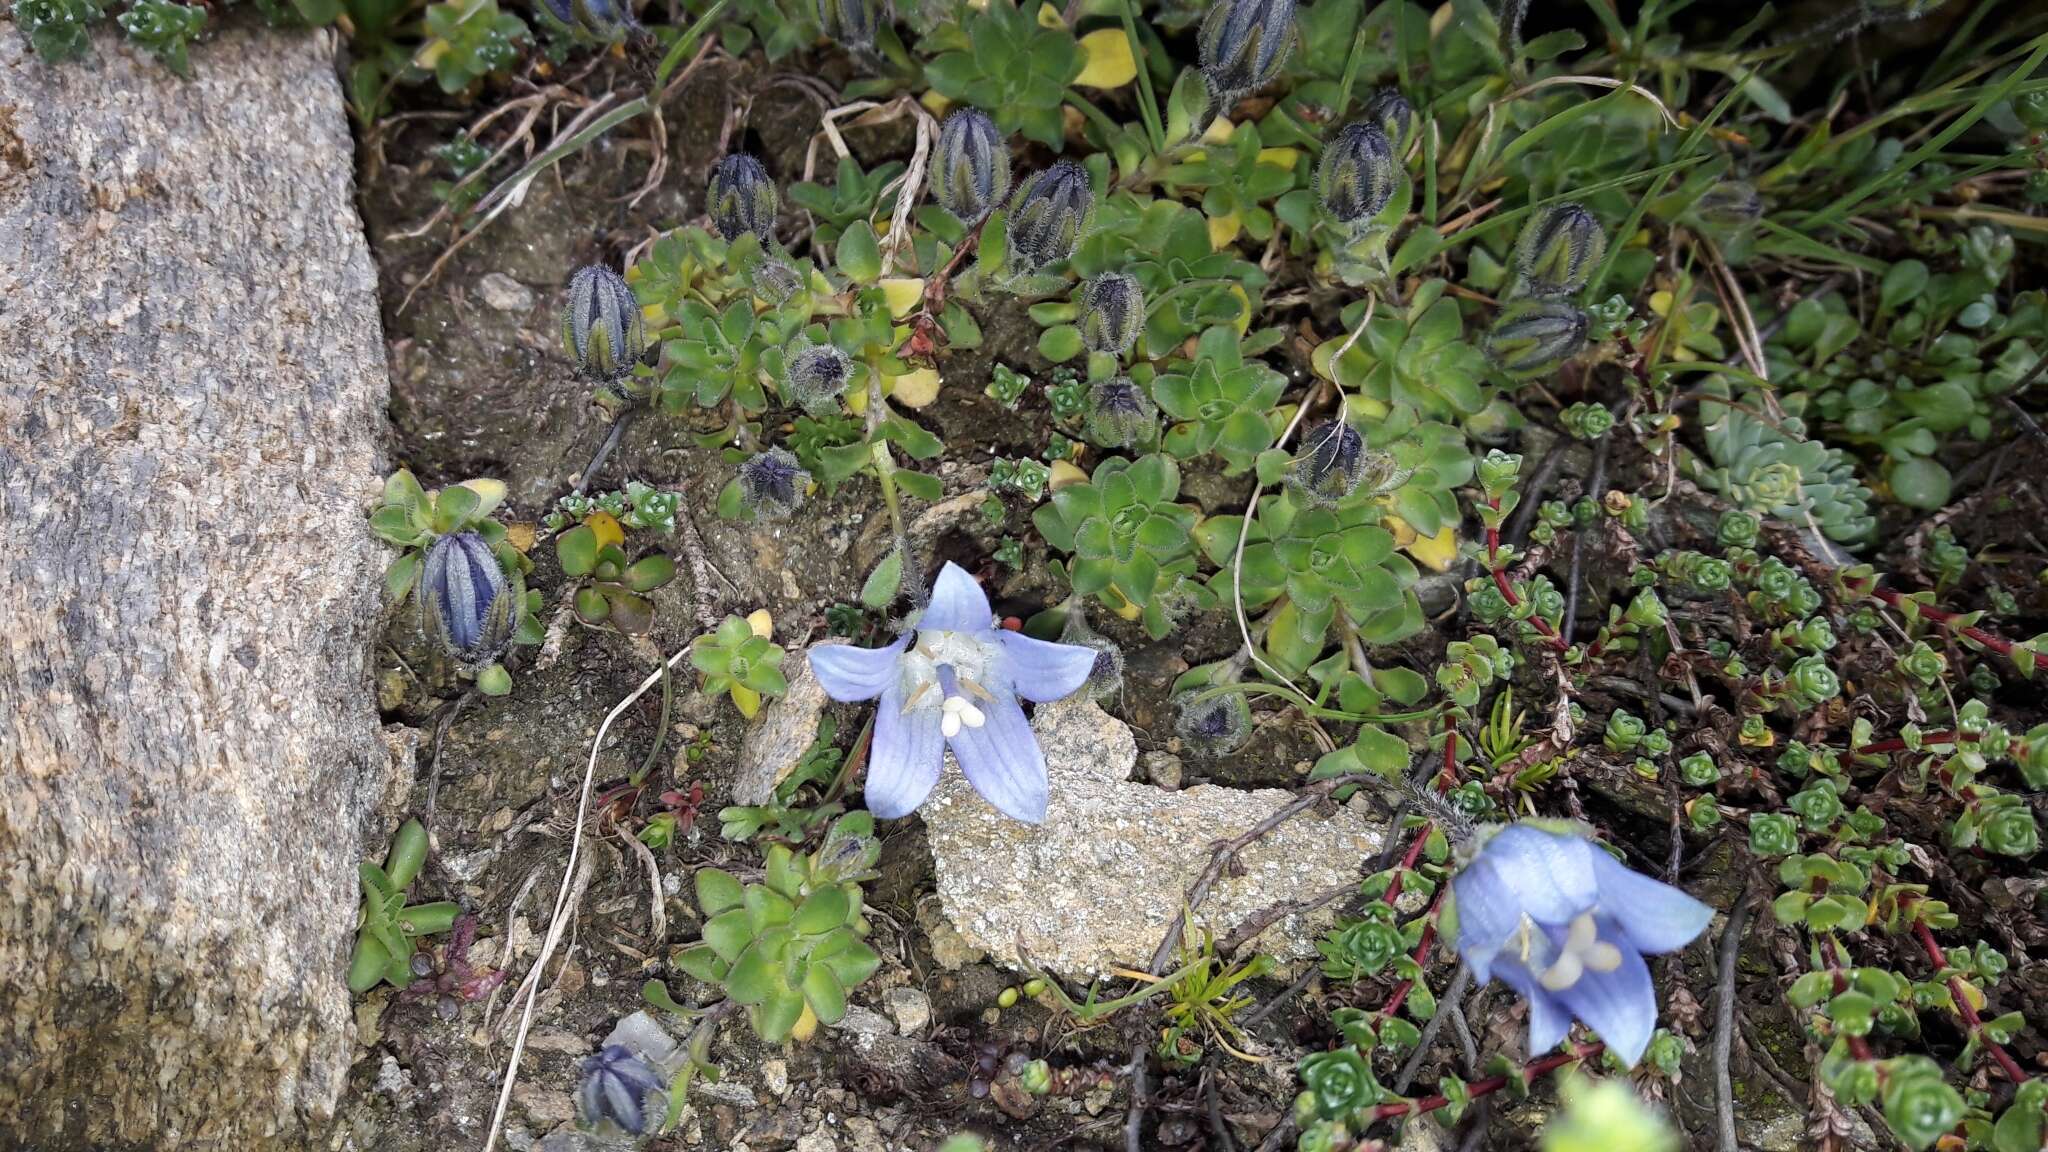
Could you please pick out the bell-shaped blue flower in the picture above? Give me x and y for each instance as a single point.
(955, 681)
(1558, 920)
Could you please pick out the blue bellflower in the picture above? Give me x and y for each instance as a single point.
(620, 1089)
(1558, 920)
(955, 681)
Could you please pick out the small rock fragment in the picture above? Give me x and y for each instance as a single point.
(909, 1007)
(771, 749)
(775, 1077)
(505, 294)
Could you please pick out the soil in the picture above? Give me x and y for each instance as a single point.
(480, 388)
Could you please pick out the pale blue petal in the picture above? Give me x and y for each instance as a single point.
(957, 605)
(1620, 1006)
(1654, 916)
(1550, 875)
(1488, 914)
(905, 757)
(1002, 760)
(1549, 1021)
(847, 673)
(1042, 671)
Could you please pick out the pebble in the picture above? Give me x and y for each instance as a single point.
(775, 1077)
(909, 1007)
(504, 293)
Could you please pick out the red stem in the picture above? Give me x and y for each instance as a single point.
(1491, 1084)
(1964, 1007)
(1507, 590)
(1926, 739)
(1996, 644)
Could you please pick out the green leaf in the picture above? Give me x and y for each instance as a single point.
(494, 681)
(728, 933)
(576, 549)
(650, 572)
(929, 489)
(854, 964)
(859, 256)
(882, 584)
(778, 1014)
(400, 576)
(822, 911)
(453, 508)
(754, 977)
(827, 998)
(718, 891)
(701, 963)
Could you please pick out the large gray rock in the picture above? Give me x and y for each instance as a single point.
(1096, 885)
(191, 399)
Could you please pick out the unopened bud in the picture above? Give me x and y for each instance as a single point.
(774, 281)
(608, 20)
(1112, 313)
(602, 330)
(851, 22)
(742, 198)
(814, 375)
(1358, 174)
(1244, 44)
(1217, 726)
(1729, 206)
(620, 1090)
(772, 484)
(1331, 462)
(1395, 116)
(970, 174)
(1107, 676)
(1535, 337)
(1558, 250)
(1050, 213)
(1120, 414)
(465, 600)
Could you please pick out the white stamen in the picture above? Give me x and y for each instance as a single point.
(959, 712)
(1583, 952)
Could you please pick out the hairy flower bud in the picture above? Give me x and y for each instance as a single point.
(970, 175)
(1107, 676)
(1395, 116)
(1244, 44)
(1216, 726)
(465, 600)
(601, 326)
(772, 484)
(1112, 313)
(621, 1089)
(851, 22)
(1729, 206)
(742, 198)
(1050, 212)
(1119, 413)
(605, 19)
(814, 375)
(774, 281)
(1358, 173)
(1331, 461)
(1558, 250)
(1535, 337)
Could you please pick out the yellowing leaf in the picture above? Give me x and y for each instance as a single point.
(806, 1025)
(746, 700)
(605, 528)
(934, 103)
(1107, 61)
(520, 536)
(1404, 532)
(1049, 17)
(489, 493)
(1436, 553)
(1244, 314)
(915, 388)
(1224, 229)
(904, 294)
(1218, 131)
(1280, 157)
(761, 623)
(1063, 474)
